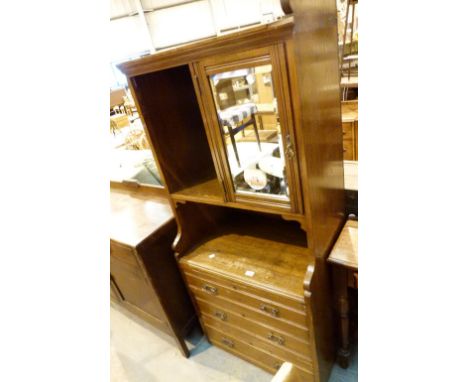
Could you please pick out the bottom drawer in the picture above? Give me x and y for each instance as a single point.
(251, 354)
(300, 360)
(257, 357)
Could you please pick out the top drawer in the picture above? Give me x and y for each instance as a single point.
(192, 274)
(231, 293)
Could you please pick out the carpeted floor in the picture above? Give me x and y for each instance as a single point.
(140, 353)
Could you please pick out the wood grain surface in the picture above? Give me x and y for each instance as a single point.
(135, 216)
(345, 250)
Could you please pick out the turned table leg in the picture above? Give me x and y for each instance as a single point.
(341, 298)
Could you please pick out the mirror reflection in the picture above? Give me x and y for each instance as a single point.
(131, 157)
(249, 123)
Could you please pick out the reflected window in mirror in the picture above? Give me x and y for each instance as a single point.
(131, 157)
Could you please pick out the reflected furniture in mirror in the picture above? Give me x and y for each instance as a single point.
(117, 100)
(142, 263)
(131, 158)
(349, 117)
(259, 208)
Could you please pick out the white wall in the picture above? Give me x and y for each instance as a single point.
(186, 21)
(180, 24)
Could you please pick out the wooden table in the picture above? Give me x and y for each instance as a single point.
(344, 259)
(144, 275)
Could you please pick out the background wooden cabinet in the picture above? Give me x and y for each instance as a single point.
(349, 118)
(144, 277)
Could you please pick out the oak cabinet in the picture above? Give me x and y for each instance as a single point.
(246, 132)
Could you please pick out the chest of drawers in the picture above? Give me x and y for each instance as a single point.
(248, 293)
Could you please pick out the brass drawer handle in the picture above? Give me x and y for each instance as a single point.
(278, 339)
(210, 289)
(270, 310)
(221, 315)
(227, 342)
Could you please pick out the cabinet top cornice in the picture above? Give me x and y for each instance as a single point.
(259, 35)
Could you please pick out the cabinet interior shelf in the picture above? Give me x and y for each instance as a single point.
(208, 191)
(211, 193)
(247, 248)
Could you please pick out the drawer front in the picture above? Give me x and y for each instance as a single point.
(233, 292)
(272, 348)
(299, 345)
(294, 303)
(251, 313)
(230, 344)
(242, 349)
(270, 313)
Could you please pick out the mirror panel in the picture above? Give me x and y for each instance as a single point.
(250, 126)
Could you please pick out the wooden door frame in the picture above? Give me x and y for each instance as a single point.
(275, 56)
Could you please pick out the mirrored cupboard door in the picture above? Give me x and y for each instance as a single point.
(250, 120)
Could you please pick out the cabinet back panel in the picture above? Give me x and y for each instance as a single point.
(172, 115)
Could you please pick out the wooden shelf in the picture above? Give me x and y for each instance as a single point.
(208, 191)
(251, 245)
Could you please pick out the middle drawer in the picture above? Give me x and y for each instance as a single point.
(256, 328)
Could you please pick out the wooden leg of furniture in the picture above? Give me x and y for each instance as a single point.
(260, 119)
(341, 295)
(256, 133)
(234, 146)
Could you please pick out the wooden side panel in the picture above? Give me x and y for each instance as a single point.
(161, 267)
(314, 67)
